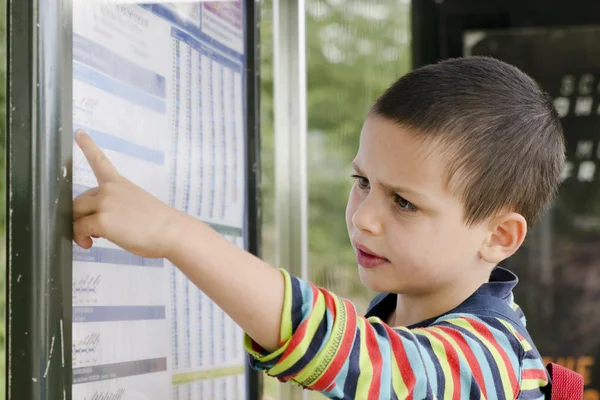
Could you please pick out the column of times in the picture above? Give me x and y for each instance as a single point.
(207, 182)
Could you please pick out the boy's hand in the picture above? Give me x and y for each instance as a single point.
(120, 211)
(126, 215)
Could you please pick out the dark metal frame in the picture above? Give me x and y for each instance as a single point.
(39, 194)
(438, 25)
(39, 149)
(254, 382)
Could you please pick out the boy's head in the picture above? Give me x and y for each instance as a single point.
(455, 160)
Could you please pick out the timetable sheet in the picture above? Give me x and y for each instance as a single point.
(160, 88)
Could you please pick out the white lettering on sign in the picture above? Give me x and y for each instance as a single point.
(586, 84)
(587, 170)
(583, 106)
(561, 104)
(585, 149)
(567, 85)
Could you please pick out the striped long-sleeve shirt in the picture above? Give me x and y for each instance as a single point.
(472, 352)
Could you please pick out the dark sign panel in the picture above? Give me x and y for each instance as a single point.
(559, 266)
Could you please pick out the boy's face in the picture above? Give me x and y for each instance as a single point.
(407, 229)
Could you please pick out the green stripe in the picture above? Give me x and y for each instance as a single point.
(189, 377)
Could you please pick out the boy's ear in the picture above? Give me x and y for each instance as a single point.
(506, 234)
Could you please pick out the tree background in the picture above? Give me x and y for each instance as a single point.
(355, 50)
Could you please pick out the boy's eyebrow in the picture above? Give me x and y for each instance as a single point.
(393, 188)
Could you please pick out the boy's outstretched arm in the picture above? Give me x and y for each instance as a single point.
(302, 333)
(247, 289)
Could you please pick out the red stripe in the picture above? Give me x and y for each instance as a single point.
(256, 347)
(534, 374)
(485, 332)
(407, 373)
(343, 352)
(298, 336)
(376, 361)
(470, 356)
(454, 363)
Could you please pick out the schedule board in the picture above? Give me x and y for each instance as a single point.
(161, 88)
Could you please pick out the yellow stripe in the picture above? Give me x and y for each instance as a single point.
(317, 314)
(530, 384)
(438, 349)
(286, 325)
(366, 368)
(524, 343)
(461, 355)
(188, 377)
(502, 367)
(286, 315)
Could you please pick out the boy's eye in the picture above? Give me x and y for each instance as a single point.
(404, 204)
(361, 181)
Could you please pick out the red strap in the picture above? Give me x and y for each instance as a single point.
(566, 384)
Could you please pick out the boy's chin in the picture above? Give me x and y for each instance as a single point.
(376, 281)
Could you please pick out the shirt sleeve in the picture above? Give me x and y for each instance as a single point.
(325, 346)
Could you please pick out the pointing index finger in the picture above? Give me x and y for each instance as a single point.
(102, 167)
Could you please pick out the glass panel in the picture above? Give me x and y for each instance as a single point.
(355, 49)
(161, 88)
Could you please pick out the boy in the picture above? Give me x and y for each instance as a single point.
(455, 161)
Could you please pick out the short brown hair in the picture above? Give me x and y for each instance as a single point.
(499, 130)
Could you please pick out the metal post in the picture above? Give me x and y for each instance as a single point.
(291, 197)
(39, 149)
(254, 388)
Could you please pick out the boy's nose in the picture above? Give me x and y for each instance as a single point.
(367, 217)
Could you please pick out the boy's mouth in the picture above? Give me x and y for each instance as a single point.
(367, 258)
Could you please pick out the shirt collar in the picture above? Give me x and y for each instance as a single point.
(501, 284)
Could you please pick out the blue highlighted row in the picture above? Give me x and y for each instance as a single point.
(118, 313)
(205, 50)
(114, 256)
(83, 73)
(114, 143)
(117, 67)
(97, 373)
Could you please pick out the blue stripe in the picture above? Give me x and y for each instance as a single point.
(118, 313)
(109, 63)
(353, 368)
(435, 375)
(535, 394)
(474, 390)
(297, 303)
(114, 256)
(488, 366)
(110, 85)
(205, 50)
(533, 363)
(114, 143)
(383, 340)
(500, 334)
(422, 388)
(307, 298)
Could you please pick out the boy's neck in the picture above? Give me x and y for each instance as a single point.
(412, 309)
